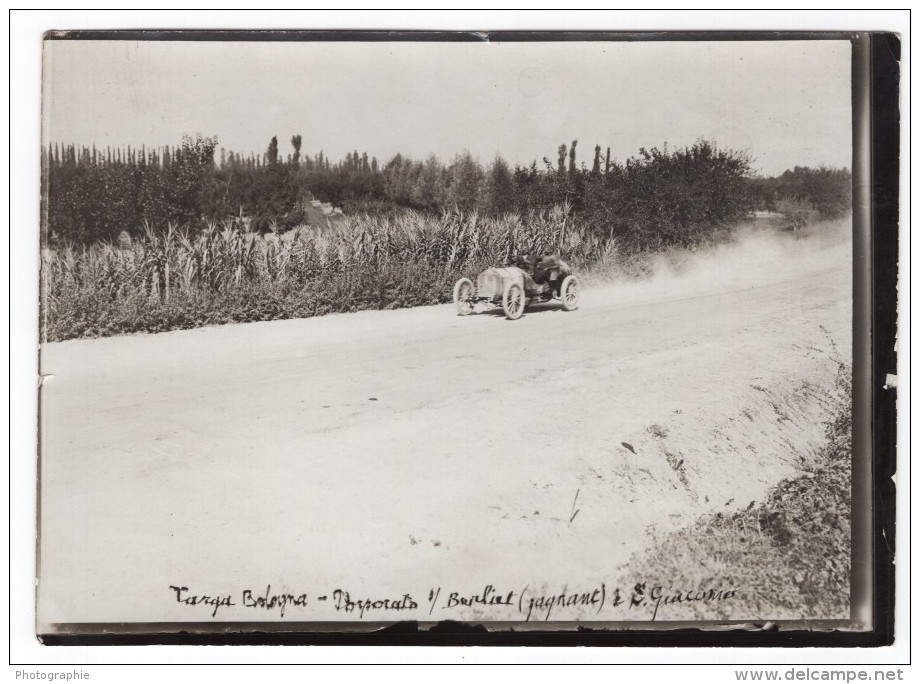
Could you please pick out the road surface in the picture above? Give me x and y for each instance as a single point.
(404, 452)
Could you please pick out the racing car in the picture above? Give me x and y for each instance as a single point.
(518, 285)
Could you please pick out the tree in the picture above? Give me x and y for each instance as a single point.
(190, 174)
(499, 188)
(271, 155)
(465, 179)
(429, 189)
(680, 198)
(296, 141)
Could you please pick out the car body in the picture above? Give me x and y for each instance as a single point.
(515, 287)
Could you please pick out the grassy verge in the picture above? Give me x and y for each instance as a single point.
(787, 558)
(90, 312)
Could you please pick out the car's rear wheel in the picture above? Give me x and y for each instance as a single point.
(568, 293)
(513, 301)
(463, 296)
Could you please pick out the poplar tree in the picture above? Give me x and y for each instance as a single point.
(296, 141)
(271, 154)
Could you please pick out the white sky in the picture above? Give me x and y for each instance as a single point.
(787, 103)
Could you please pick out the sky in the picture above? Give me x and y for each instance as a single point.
(785, 103)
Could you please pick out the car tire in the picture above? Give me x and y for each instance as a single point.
(463, 296)
(568, 293)
(513, 301)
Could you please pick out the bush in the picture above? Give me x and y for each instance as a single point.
(799, 212)
(660, 199)
(828, 191)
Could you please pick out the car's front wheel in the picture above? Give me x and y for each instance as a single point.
(568, 293)
(463, 296)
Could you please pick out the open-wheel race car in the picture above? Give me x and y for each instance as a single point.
(517, 286)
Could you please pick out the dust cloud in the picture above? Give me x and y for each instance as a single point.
(757, 255)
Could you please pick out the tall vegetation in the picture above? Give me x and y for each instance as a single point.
(165, 280)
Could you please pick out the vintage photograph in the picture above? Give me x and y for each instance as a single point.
(533, 333)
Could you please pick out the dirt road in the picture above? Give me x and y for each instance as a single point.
(399, 452)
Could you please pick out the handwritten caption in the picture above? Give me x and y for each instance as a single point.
(643, 600)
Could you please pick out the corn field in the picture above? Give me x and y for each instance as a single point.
(167, 279)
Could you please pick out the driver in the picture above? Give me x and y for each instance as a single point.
(541, 270)
(525, 262)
